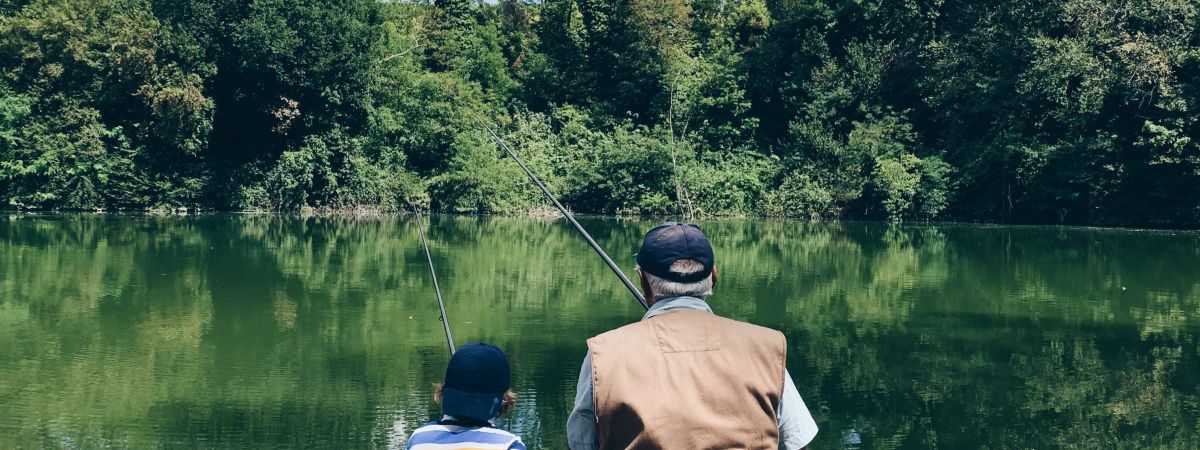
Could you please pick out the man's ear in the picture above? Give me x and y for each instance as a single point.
(645, 287)
(714, 276)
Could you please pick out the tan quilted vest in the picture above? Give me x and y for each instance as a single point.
(688, 380)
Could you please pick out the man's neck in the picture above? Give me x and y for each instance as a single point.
(668, 304)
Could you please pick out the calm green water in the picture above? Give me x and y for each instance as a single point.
(262, 331)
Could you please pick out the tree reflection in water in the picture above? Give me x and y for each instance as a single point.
(234, 330)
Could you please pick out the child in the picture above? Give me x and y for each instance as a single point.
(476, 390)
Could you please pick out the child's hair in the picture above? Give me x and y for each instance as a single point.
(506, 404)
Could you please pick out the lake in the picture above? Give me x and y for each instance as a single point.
(271, 331)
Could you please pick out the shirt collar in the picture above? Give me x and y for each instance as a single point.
(455, 419)
(677, 303)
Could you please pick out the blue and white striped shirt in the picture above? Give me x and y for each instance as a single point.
(445, 436)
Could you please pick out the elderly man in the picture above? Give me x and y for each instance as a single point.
(683, 377)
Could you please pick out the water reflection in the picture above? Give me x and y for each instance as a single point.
(268, 331)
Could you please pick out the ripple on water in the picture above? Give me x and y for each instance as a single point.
(269, 331)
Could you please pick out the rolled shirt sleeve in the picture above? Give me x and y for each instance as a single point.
(581, 424)
(796, 425)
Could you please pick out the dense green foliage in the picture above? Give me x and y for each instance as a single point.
(1052, 111)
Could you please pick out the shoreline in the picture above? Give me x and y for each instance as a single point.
(552, 214)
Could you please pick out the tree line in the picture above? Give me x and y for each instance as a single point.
(1047, 111)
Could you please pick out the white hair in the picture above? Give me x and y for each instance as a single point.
(660, 288)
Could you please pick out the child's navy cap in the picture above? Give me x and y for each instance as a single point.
(476, 380)
(673, 241)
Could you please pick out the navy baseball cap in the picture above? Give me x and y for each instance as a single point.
(476, 380)
(673, 241)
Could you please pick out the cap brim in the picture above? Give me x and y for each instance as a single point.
(469, 405)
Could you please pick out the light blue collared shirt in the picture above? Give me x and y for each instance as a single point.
(796, 425)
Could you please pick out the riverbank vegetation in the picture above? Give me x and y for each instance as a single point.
(1055, 111)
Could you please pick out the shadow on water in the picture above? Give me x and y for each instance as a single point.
(269, 331)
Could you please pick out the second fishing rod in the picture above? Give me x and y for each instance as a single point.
(570, 218)
(437, 289)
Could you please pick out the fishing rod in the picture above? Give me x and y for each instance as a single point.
(436, 289)
(570, 218)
